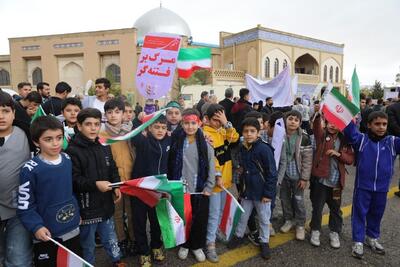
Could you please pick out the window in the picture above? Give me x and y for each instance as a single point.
(266, 72)
(331, 74)
(284, 63)
(337, 75)
(325, 73)
(276, 67)
(4, 77)
(113, 72)
(37, 76)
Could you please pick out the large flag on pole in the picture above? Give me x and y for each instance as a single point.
(230, 216)
(192, 59)
(338, 110)
(172, 225)
(354, 89)
(67, 258)
(278, 88)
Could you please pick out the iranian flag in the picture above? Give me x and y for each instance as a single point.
(171, 224)
(191, 59)
(147, 121)
(338, 110)
(230, 216)
(67, 258)
(354, 90)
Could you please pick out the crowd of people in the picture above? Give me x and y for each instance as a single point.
(50, 190)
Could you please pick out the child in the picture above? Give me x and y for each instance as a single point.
(222, 134)
(328, 179)
(372, 180)
(192, 161)
(174, 115)
(153, 150)
(294, 173)
(259, 177)
(114, 110)
(47, 206)
(15, 240)
(93, 170)
(128, 113)
(70, 108)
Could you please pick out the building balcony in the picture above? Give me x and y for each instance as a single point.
(225, 76)
(308, 78)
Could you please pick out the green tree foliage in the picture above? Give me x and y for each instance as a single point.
(377, 90)
(199, 77)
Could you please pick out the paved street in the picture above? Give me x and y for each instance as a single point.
(289, 252)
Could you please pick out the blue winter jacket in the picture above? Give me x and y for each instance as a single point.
(259, 171)
(375, 160)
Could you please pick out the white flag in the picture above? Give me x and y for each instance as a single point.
(277, 140)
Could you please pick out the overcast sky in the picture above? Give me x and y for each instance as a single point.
(370, 29)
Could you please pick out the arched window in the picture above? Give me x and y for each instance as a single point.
(284, 63)
(4, 77)
(114, 73)
(37, 76)
(331, 74)
(325, 73)
(337, 75)
(266, 72)
(276, 67)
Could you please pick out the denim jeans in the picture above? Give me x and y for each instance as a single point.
(217, 202)
(108, 237)
(15, 244)
(264, 215)
(292, 198)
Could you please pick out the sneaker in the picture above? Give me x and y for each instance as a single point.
(235, 242)
(145, 261)
(334, 240)
(271, 230)
(374, 245)
(120, 264)
(265, 251)
(199, 255)
(183, 253)
(314, 240)
(158, 254)
(397, 193)
(211, 253)
(254, 238)
(300, 233)
(357, 250)
(287, 226)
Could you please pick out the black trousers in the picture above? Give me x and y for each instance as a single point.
(319, 195)
(198, 230)
(140, 213)
(45, 253)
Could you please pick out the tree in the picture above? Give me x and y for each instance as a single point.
(377, 90)
(200, 77)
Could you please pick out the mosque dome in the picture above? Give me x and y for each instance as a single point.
(163, 20)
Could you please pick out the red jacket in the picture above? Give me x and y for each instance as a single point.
(321, 164)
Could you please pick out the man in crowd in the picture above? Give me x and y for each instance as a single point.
(24, 88)
(268, 106)
(44, 90)
(53, 105)
(228, 103)
(204, 98)
(240, 109)
(102, 88)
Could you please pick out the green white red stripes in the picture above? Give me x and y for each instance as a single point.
(191, 59)
(230, 216)
(39, 113)
(172, 225)
(67, 258)
(338, 110)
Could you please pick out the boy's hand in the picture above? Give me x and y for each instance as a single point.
(220, 115)
(332, 152)
(265, 200)
(118, 195)
(103, 186)
(302, 184)
(42, 234)
(219, 182)
(206, 193)
(209, 139)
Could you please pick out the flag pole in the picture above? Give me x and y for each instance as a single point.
(58, 244)
(233, 198)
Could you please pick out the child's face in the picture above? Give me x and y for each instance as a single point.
(114, 116)
(7, 116)
(260, 120)
(292, 123)
(50, 143)
(174, 116)
(32, 108)
(158, 130)
(70, 114)
(190, 127)
(250, 134)
(128, 114)
(378, 126)
(332, 129)
(214, 122)
(90, 128)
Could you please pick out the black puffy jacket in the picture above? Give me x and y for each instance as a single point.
(92, 162)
